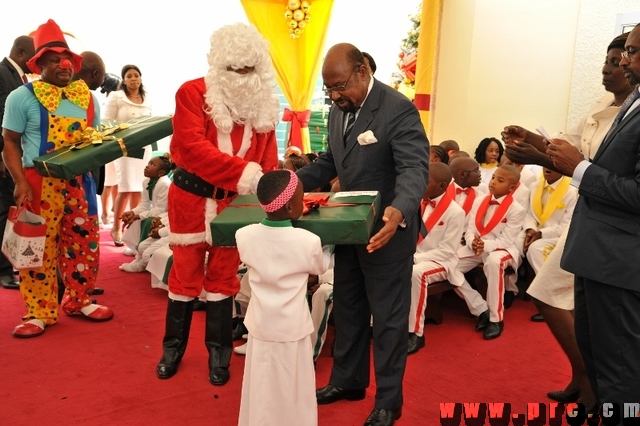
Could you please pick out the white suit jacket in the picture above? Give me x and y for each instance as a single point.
(505, 233)
(443, 240)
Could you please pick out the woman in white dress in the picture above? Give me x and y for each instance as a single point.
(125, 105)
(111, 83)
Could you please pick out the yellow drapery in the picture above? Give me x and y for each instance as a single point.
(296, 61)
(428, 42)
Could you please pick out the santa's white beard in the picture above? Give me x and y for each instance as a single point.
(238, 98)
(241, 94)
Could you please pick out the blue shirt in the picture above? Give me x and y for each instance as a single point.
(22, 115)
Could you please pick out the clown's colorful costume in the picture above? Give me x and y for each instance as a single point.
(212, 167)
(47, 120)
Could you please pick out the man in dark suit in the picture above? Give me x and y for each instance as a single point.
(13, 71)
(376, 143)
(603, 244)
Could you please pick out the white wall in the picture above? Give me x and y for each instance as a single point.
(503, 62)
(596, 29)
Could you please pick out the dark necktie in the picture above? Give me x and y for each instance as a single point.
(151, 186)
(25, 80)
(351, 119)
(624, 108)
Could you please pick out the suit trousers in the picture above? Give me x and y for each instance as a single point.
(6, 201)
(363, 289)
(607, 324)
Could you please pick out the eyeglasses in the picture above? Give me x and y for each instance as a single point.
(339, 87)
(627, 54)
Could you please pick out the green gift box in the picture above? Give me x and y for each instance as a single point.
(347, 218)
(99, 148)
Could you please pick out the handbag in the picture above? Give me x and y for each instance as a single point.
(24, 237)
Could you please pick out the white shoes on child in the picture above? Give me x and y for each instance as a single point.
(241, 350)
(128, 252)
(134, 266)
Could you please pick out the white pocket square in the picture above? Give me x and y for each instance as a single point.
(367, 138)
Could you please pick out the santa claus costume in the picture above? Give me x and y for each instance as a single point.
(223, 141)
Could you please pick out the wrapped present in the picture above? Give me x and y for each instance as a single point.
(337, 218)
(99, 148)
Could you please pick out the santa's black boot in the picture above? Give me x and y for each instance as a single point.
(176, 336)
(219, 339)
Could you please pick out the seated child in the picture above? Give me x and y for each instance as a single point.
(488, 155)
(494, 225)
(521, 193)
(435, 258)
(465, 187)
(450, 146)
(153, 202)
(279, 379)
(438, 154)
(158, 237)
(321, 305)
(159, 266)
(527, 177)
(552, 202)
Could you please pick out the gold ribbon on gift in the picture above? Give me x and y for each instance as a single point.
(91, 136)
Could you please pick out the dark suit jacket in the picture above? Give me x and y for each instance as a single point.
(603, 243)
(9, 81)
(396, 165)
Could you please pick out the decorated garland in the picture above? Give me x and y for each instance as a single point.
(297, 16)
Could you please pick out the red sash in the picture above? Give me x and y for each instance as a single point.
(468, 203)
(500, 212)
(436, 214)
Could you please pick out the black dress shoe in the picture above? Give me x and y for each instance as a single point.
(493, 330)
(564, 396)
(383, 417)
(537, 317)
(219, 376)
(330, 393)
(166, 371)
(97, 291)
(415, 343)
(483, 320)
(9, 282)
(508, 299)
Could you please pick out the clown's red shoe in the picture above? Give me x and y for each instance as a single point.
(93, 312)
(31, 328)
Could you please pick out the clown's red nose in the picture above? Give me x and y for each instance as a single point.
(65, 64)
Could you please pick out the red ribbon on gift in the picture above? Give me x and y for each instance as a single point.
(313, 201)
(299, 120)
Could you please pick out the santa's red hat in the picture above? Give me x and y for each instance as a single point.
(48, 37)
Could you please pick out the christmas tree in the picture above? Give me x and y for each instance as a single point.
(28, 251)
(405, 78)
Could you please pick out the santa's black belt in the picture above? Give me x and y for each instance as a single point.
(197, 186)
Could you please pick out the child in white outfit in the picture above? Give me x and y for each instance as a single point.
(278, 387)
(158, 237)
(153, 204)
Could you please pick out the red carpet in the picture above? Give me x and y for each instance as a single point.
(87, 373)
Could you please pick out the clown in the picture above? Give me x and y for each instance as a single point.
(42, 116)
(223, 141)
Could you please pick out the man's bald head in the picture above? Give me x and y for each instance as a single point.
(345, 76)
(93, 70)
(21, 51)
